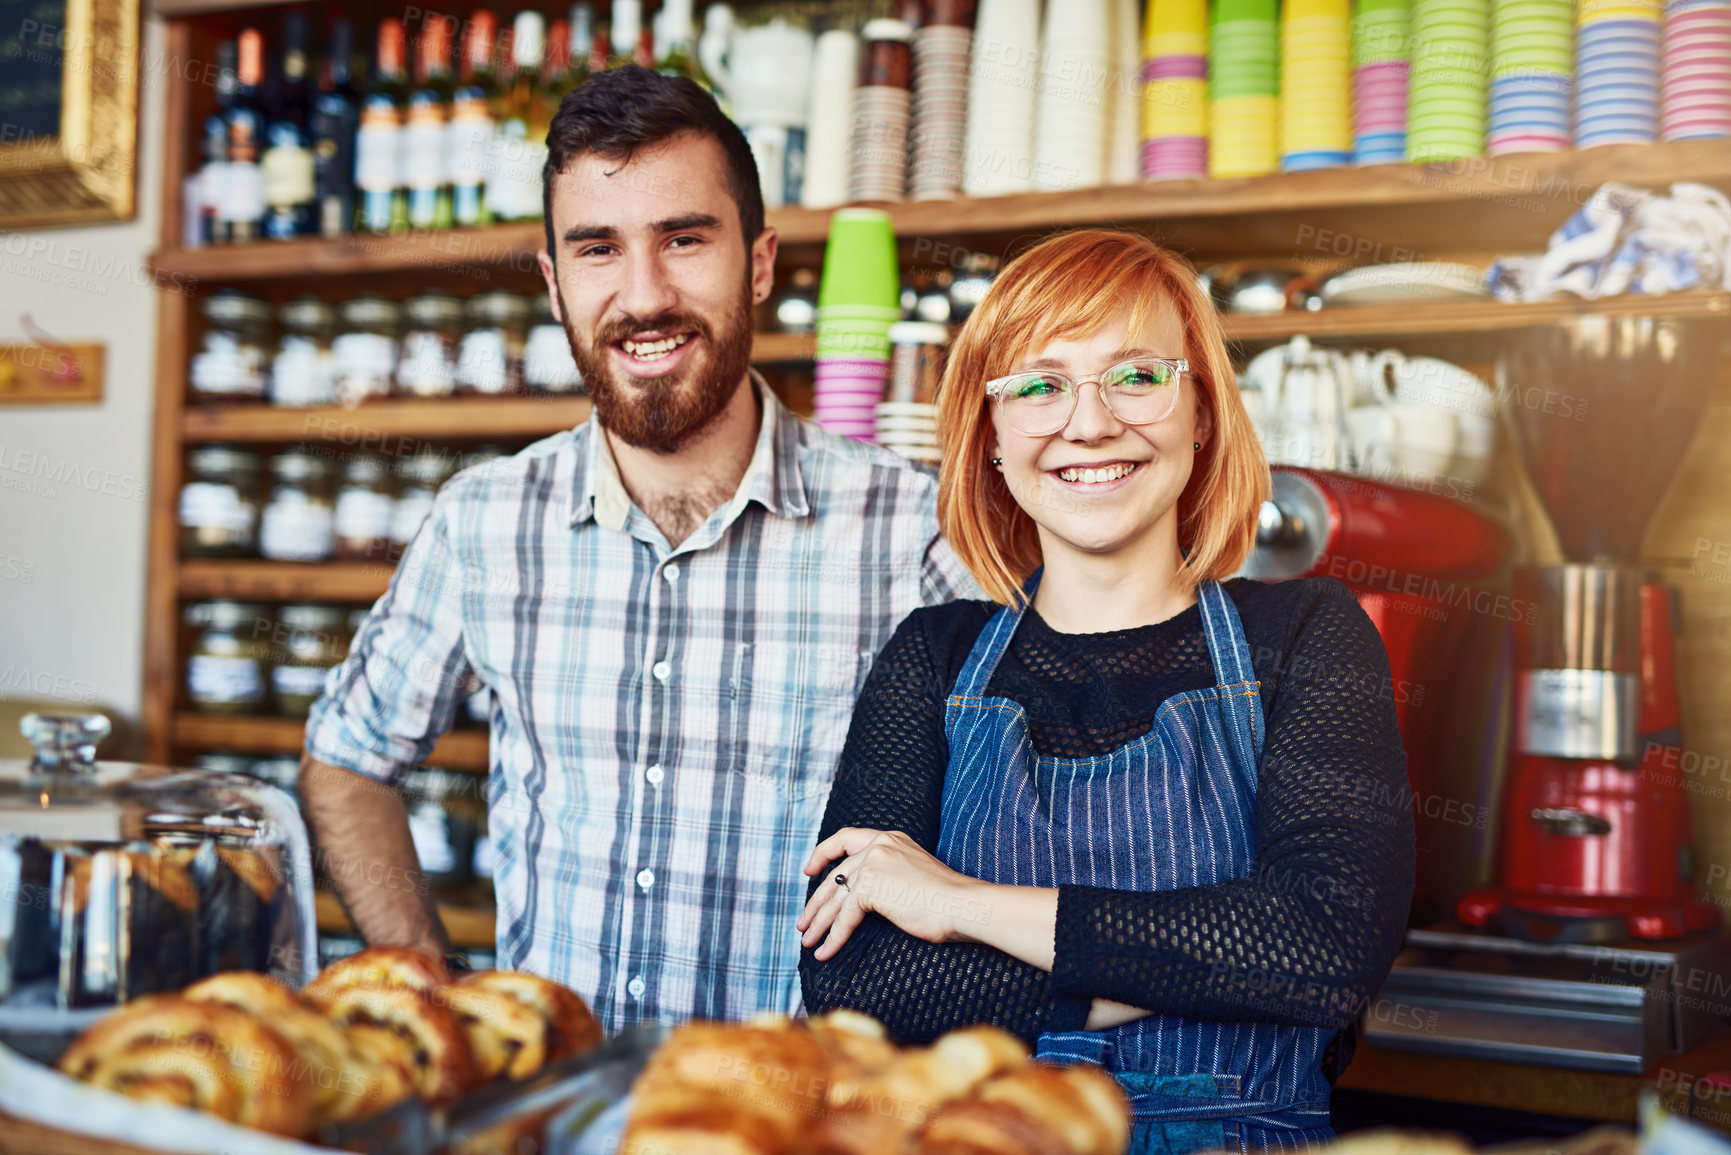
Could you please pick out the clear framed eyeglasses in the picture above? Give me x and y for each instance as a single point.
(1140, 391)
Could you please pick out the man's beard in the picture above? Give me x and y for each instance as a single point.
(662, 414)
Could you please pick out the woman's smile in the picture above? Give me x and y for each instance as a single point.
(1095, 477)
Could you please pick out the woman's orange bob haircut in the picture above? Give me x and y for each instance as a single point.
(1070, 286)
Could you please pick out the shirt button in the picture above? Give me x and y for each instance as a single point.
(661, 670)
(655, 774)
(646, 878)
(636, 987)
(671, 573)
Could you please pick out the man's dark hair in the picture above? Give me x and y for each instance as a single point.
(616, 112)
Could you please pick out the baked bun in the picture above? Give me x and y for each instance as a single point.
(1034, 1110)
(206, 1056)
(504, 1036)
(571, 1028)
(442, 1068)
(380, 1072)
(319, 1046)
(383, 966)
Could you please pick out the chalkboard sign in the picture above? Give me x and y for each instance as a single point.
(32, 52)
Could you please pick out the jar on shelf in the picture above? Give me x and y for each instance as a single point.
(491, 360)
(231, 365)
(443, 850)
(364, 352)
(419, 477)
(282, 771)
(219, 502)
(304, 372)
(364, 506)
(228, 666)
(547, 363)
(299, 520)
(314, 639)
(432, 332)
(222, 762)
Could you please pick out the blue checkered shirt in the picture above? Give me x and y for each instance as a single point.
(665, 720)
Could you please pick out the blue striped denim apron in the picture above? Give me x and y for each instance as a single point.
(1174, 808)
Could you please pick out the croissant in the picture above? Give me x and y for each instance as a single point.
(442, 1068)
(1034, 1110)
(571, 1028)
(505, 1037)
(203, 1055)
(727, 1090)
(383, 966)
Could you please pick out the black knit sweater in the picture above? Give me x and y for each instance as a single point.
(1305, 940)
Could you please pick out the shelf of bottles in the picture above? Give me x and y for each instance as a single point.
(393, 128)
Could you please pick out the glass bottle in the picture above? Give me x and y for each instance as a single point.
(426, 134)
(555, 77)
(287, 164)
(314, 641)
(228, 666)
(303, 372)
(364, 351)
(583, 43)
(219, 502)
(336, 119)
(363, 510)
(299, 520)
(432, 332)
(547, 363)
(628, 35)
(243, 200)
(515, 194)
(379, 140)
(472, 121)
(679, 57)
(490, 362)
(213, 176)
(231, 364)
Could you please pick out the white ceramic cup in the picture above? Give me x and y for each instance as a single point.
(1401, 440)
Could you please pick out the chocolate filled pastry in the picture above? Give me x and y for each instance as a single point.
(878, 1110)
(380, 1073)
(207, 1056)
(442, 1067)
(322, 1051)
(571, 1028)
(240, 902)
(738, 1090)
(1033, 1110)
(382, 966)
(505, 1037)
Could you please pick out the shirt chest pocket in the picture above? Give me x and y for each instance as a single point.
(788, 712)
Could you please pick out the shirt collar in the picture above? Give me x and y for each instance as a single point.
(773, 479)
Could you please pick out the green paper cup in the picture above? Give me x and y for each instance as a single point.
(859, 261)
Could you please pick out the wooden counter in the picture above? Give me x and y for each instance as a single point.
(1545, 1090)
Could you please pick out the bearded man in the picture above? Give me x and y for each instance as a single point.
(673, 606)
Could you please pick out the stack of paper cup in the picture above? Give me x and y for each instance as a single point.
(907, 421)
(1617, 54)
(1532, 75)
(1315, 84)
(829, 124)
(857, 302)
(1697, 70)
(882, 109)
(1000, 152)
(1175, 90)
(1070, 110)
(942, 49)
(1243, 88)
(1381, 33)
(1445, 115)
(1124, 95)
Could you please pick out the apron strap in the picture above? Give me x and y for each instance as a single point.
(1226, 644)
(989, 647)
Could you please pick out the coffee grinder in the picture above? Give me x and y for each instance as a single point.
(1596, 844)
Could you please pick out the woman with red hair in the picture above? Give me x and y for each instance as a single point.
(1138, 812)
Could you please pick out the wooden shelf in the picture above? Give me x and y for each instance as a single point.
(1442, 318)
(375, 424)
(469, 927)
(286, 581)
(458, 750)
(1497, 202)
(782, 348)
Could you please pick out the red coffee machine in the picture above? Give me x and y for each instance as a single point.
(1596, 843)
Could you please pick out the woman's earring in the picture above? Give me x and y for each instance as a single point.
(998, 461)
(1196, 445)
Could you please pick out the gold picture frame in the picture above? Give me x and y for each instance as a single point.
(85, 173)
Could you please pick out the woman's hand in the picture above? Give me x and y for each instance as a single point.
(890, 873)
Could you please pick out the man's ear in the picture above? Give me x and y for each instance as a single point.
(545, 260)
(763, 251)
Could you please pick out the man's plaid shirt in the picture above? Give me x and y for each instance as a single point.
(665, 721)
